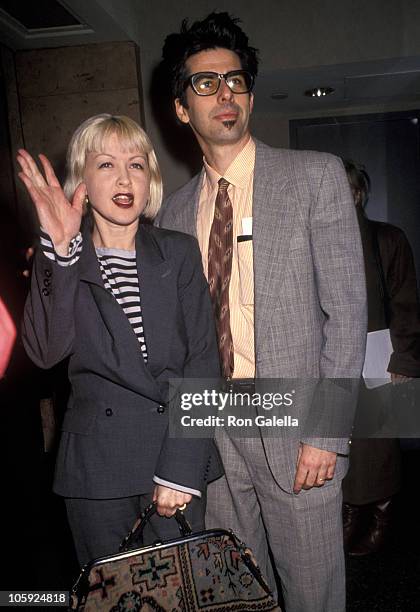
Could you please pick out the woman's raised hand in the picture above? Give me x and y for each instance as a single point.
(60, 218)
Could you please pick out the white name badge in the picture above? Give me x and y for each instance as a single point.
(247, 226)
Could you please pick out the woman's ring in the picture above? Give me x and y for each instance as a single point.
(320, 479)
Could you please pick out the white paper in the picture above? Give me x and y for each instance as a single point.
(378, 353)
(247, 226)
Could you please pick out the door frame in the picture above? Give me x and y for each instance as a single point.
(295, 124)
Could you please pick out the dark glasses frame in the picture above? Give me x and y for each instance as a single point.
(193, 77)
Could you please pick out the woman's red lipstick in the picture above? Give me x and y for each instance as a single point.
(123, 200)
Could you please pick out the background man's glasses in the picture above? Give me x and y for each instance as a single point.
(208, 83)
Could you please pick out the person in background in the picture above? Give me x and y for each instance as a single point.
(128, 305)
(374, 475)
(281, 248)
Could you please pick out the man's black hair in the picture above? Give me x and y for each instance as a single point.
(216, 30)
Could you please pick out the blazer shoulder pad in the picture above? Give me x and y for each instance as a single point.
(183, 193)
(312, 158)
(296, 160)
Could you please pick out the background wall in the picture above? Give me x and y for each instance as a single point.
(304, 37)
(349, 44)
(52, 91)
(388, 146)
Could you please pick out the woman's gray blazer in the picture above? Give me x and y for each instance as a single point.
(115, 431)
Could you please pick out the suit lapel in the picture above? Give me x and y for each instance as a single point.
(185, 221)
(273, 222)
(88, 264)
(156, 294)
(125, 346)
(111, 312)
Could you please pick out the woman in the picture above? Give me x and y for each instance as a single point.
(128, 304)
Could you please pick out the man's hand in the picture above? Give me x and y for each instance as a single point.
(314, 467)
(397, 379)
(168, 500)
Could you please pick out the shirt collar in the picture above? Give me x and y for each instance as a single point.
(238, 172)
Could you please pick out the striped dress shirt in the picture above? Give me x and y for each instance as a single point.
(240, 176)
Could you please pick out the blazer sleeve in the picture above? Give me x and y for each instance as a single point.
(340, 275)
(341, 285)
(404, 311)
(184, 460)
(48, 328)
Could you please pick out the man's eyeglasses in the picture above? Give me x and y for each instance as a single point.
(208, 83)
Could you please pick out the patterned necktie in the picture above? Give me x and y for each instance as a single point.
(219, 272)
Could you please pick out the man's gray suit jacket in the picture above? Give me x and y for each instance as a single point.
(310, 294)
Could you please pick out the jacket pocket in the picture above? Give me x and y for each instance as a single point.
(80, 418)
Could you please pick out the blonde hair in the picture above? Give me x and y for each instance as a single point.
(90, 136)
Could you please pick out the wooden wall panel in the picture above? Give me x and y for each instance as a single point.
(86, 68)
(58, 88)
(48, 122)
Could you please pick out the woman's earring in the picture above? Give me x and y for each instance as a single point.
(86, 199)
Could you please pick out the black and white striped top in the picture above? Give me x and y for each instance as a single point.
(119, 273)
(75, 248)
(120, 276)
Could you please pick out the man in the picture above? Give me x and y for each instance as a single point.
(281, 249)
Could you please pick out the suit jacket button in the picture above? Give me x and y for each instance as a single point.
(45, 291)
(48, 273)
(109, 412)
(47, 282)
(161, 409)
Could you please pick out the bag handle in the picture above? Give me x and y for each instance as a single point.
(136, 534)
